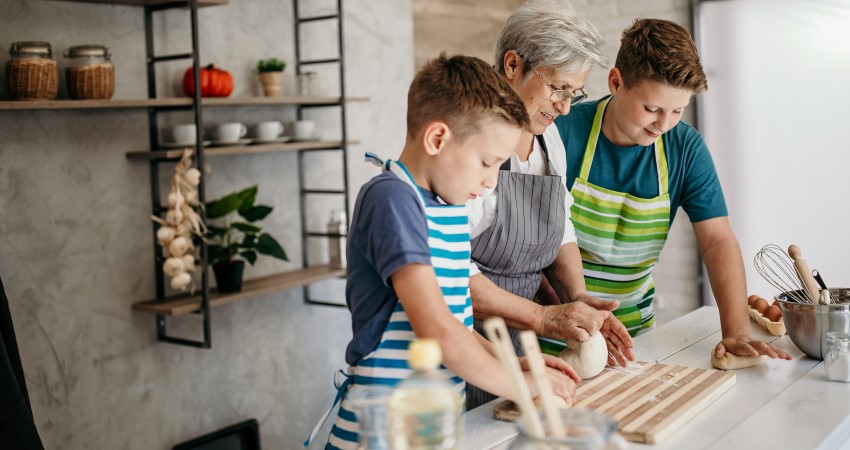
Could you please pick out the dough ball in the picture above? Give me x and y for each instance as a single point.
(734, 362)
(559, 401)
(587, 358)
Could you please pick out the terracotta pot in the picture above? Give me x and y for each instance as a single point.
(272, 83)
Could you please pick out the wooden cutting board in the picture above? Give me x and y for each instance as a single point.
(650, 401)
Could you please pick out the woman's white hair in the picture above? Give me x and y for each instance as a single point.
(550, 33)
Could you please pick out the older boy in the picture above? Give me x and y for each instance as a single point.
(631, 164)
(408, 252)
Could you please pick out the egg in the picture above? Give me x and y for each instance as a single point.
(760, 305)
(776, 304)
(751, 299)
(773, 313)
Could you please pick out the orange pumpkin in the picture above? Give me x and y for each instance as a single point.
(215, 82)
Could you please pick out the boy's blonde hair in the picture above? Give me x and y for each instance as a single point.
(660, 50)
(462, 91)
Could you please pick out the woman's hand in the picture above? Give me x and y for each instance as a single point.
(617, 337)
(563, 386)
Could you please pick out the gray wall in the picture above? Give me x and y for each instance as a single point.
(75, 244)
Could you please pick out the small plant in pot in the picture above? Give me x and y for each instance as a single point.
(271, 76)
(232, 238)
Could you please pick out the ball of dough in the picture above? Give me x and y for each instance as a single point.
(730, 361)
(587, 358)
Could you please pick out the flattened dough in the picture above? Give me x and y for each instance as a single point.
(730, 361)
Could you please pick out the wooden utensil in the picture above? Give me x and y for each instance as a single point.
(804, 272)
(497, 333)
(538, 371)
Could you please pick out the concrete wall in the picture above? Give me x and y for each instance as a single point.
(75, 238)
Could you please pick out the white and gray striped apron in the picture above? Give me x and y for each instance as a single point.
(448, 239)
(523, 240)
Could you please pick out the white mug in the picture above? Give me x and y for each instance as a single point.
(230, 132)
(304, 129)
(268, 131)
(185, 133)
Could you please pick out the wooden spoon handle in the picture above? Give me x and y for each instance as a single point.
(538, 371)
(497, 333)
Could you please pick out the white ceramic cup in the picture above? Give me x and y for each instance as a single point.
(304, 129)
(185, 133)
(230, 132)
(267, 131)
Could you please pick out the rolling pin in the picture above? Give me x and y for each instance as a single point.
(804, 273)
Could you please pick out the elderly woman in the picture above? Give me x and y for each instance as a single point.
(522, 228)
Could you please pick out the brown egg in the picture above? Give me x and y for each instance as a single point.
(773, 313)
(751, 299)
(776, 303)
(760, 305)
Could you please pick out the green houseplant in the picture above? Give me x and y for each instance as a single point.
(232, 238)
(271, 76)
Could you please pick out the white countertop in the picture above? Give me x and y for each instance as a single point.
(777, 405)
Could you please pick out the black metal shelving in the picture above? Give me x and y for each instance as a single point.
(343, 150)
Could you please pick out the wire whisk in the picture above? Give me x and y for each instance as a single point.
(777, 268)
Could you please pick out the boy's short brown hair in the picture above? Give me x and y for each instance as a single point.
(660, 50)
(462, 91)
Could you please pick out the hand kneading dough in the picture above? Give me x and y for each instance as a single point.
(587, 358)
(559, 402)
(731, 361)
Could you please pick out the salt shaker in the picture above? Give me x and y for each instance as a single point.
(337, 228)
(837, 361)
(307, 84)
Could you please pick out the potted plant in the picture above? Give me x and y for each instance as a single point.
(271, 76)
(231, 241)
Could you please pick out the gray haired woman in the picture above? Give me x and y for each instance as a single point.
(522, 228)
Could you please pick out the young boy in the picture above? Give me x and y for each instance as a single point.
(631, 164)
(408, 250)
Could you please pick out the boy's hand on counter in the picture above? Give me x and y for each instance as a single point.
(748, 346)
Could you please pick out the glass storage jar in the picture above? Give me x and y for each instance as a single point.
(90, 74)
(31, 72)
(585, 429)
(837, 360)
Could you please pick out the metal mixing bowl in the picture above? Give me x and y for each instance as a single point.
(807, 324)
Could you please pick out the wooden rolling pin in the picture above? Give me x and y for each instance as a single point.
(804, 273)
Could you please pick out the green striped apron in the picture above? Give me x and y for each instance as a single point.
(620, 236)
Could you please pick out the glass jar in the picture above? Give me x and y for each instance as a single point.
(837, 361)
(308, 84)
(90, 74)
(585, 429)
(370, 406)
(337, 230)
(31, 72)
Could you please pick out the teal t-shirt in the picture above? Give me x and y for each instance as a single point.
(692, 177)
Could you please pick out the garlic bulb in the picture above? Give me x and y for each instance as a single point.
(181, 281)
(193, 176)
(173, 266)
(178, 246)
(164, 235)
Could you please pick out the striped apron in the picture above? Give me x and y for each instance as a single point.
(620, 236)
(523, 239)
(448, 239)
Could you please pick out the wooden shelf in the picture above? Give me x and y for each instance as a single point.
(176, 102)
(176, 153)
(201, 3)
(250, 289)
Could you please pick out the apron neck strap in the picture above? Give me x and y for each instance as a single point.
(593, 140)
(539, 137)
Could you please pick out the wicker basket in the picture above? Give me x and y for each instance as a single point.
(91, 82)
(32, 78)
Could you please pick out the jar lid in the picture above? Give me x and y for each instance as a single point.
(87, 50)
(31, 48)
